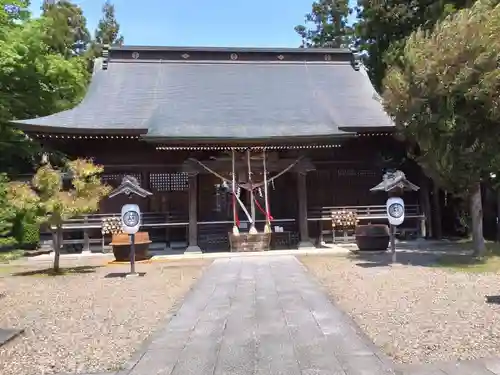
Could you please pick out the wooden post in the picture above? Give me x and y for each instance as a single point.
(252, 201)
(393, 243)
(86, 238)
(267, 227)
(233, 192)
(193, 215)
(302, 197)
(498, 215)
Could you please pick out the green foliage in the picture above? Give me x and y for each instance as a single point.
(35, 82)
(107, 33)
(7, 242)
(384, 26)
(7, 256)
(7, 211)
(329, 25)
(9, 21)
(443, 94)
(45, 193)
(69, 35)
(46, 196)
(26, 230)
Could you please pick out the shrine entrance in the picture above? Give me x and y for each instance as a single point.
(248, 192)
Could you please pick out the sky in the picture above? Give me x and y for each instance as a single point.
(218, 23)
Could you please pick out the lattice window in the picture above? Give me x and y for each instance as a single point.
(169, 181)
(115, 179)
(356, 173)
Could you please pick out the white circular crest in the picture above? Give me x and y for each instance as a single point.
(131, 218)
(396, 210)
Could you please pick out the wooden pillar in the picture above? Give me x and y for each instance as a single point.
(86, 238)
(193, 215)
(302, 197)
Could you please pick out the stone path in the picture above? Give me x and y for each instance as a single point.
(485, 366)
(261, 316)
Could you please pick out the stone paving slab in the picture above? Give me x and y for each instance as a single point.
(7, 334)
(263, 316)
(485, 366)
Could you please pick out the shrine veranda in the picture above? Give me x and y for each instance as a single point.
(188, 123)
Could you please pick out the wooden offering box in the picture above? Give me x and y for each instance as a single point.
(250, 242)
(121, 246)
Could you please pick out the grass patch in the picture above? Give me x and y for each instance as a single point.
(467, 263)
(61, 272)
(7, 256)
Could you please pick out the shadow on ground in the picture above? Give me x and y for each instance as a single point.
(445, 254)
(411, 258)
(61, 272)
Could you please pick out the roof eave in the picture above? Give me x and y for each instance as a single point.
(368, 129)
(253, 140)
(36, 128)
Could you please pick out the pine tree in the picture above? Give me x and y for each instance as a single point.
(107, 33)
(329, 19)
(70, 36)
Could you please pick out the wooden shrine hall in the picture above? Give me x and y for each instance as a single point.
(231, 137)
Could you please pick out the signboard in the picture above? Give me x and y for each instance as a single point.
(395, 210)
(131, 218)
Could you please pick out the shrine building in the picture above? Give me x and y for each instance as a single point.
(186, 122)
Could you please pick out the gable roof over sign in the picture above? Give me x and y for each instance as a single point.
(205, 94)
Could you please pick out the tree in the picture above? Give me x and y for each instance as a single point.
(12, 13)
(55, 204)
(69, 35)
(35, 82)
(383, 27)
(7, 211)
(443, 95)
(329, 19)
(107, 33)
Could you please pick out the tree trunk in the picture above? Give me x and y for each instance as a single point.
(476, 212)
(498, 215)
(438, 228)
(425, 204)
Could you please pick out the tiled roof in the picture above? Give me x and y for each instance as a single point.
(217, 94)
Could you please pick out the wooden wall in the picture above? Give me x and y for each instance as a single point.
(343, 176)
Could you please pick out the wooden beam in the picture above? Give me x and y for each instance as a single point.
(224, 166)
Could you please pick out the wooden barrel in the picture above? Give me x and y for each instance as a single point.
(121, 246)
(245, 242)
(372, 237)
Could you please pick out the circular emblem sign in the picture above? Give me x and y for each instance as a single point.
(396, 210)
(131, 218)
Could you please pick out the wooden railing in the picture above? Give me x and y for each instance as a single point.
(82, 231)
(322, 216)
(412, 211)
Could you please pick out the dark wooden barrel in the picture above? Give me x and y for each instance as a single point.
(372, 237)
(121, 246)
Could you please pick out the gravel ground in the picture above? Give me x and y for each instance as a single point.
(416, 314)
(83, 322)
